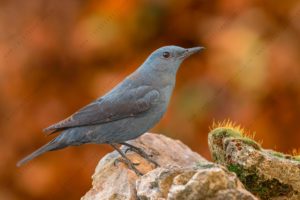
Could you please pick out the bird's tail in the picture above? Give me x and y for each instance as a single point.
(52, 145)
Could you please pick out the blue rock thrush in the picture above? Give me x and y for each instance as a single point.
(129, 110)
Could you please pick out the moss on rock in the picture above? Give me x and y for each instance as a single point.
(265, 189)
(266, 173)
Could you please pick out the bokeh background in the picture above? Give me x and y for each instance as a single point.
(56, 56)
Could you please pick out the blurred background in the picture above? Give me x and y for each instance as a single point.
(57, 56)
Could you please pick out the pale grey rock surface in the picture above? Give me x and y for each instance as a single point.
(176, 183)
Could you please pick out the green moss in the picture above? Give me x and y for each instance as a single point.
(284, 156)
(253, 181)
(219, 134)
(265, 189)
(297, 158)
(277, 154)
(220, 137)
(226, 132)
(205, 165)
(236, 169)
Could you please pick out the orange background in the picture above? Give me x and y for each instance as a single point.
(57, 56)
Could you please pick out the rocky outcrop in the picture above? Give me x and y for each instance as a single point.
(202, 182)
(266, 173)
(183, 174)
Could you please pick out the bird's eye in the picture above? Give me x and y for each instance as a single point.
(166, 54)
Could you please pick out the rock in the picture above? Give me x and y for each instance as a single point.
(177, 183)
(266, 173)
(183, 174)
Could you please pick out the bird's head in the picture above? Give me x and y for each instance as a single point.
(169, 58)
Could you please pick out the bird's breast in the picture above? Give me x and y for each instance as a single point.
(166, 93)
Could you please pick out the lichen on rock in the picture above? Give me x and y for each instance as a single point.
(266, 173)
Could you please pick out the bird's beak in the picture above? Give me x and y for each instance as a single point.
(190, 51)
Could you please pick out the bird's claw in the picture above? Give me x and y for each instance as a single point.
(128, 149)
(125, 160)
(129, 164)
(141, 153)
(118, 160)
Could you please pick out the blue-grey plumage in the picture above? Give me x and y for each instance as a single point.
(129, 110)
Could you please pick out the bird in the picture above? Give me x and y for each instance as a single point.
(126, 112)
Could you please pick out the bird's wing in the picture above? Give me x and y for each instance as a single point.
(113, 107)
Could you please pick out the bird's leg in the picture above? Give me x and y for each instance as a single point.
(127, 161)
(140, 152)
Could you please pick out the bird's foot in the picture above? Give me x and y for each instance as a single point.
(118, 160)
(125, 160)
(130, 165)
(140, 152)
